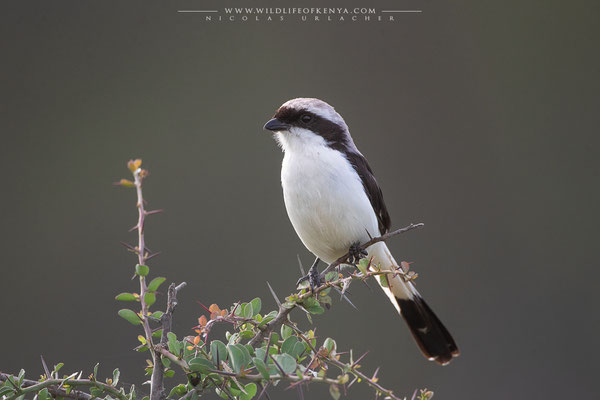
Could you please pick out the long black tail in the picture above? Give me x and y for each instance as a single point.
(431, 335)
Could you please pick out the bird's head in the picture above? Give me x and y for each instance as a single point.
(309, 122)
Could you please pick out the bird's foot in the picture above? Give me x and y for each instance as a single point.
(356, 253)
(313, 277)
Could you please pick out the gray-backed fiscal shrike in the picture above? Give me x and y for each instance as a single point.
(335, 203)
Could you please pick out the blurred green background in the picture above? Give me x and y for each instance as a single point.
(479, 119)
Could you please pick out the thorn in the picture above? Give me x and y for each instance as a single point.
(375, 374)
(152, 255)
(263, 390)
(45, 367)
(300, 265)
(354, 380)
(414, 396)
(274, 295)
(344, 297)
(203, 306)
(367, 285)
(152, 212)
(300, 392)
(130, 247)
(133, 228)
(370, 237)
(359, 359)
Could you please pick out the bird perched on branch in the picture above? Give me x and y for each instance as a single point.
(335, 205)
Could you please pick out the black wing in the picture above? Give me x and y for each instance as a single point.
(362, 168)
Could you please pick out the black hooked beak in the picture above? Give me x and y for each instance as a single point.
(276, 125)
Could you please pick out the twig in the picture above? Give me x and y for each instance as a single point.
(352, 368)
(156, 381)
(30, 386)
(283, 312)
(382, 238)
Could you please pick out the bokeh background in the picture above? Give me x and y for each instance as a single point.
(480, 119)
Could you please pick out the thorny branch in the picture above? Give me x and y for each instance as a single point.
(157, 387)
(66, 387)
(343, 259)
(54, 387)
(156, 381)
(282, 315)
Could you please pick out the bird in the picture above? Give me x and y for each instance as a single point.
(335, 204)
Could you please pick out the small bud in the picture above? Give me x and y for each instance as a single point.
(125, 183)
(133, 165)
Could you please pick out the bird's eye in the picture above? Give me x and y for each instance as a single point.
(306, 118)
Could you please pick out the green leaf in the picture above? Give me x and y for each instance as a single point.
(165, 361)
(312, 306)
(286, 362)
(116, 375)
(246, 334)
(218, 351)
(149, 298)
(256, 306)
(175, 345)
(286, 332)
(96, 392)
(331, 275)
(334, 391)
(324, 299)
(201, 364)
(157, 333)
(21, 376)
(178, 391)
(330, 345)
(268, 318)
(250, 392)
(247, 310)
(169, 373)
(126, 297)
(157, 314)
(130, 316)
(57, 367)
(383, 281)
(315, 309)
(288, 345)
(239, 356)
(131, 395)
(261, 367)
(260, 353)
(239, 310)
(363, 265)
(95, 374)
(142, 270)
(155, 283)
(299, 349)
(4, 390)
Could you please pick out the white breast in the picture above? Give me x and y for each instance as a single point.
(324, 198)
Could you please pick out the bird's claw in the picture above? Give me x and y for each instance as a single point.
(313, 277)
(356, 253)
